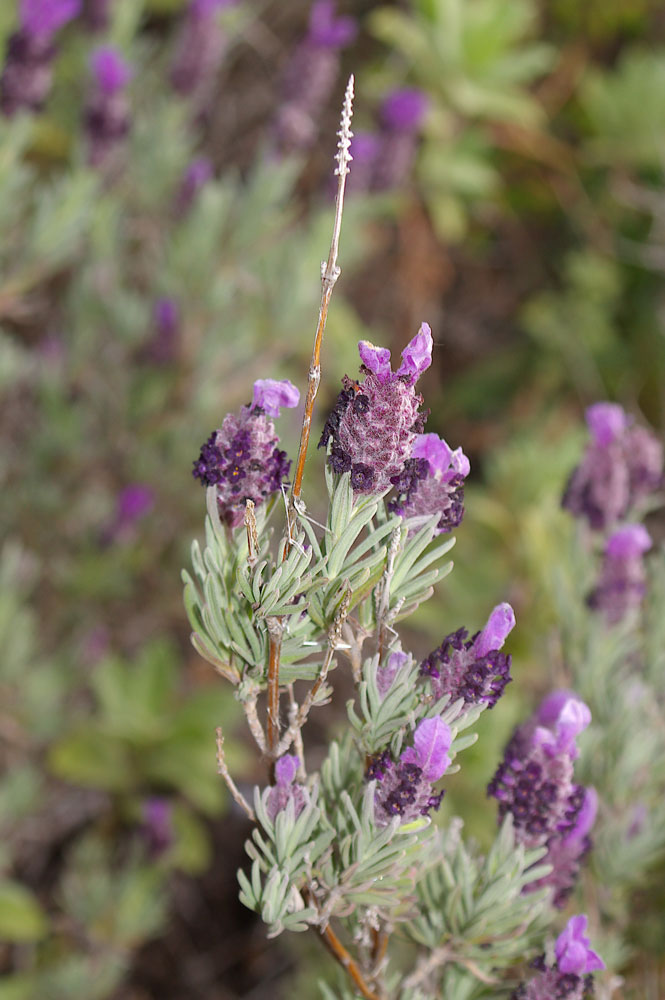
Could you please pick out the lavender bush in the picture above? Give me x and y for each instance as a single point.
(349, 849)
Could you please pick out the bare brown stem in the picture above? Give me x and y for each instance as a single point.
(329, 274)
(341, 955)
(252, 534)
(230, 783)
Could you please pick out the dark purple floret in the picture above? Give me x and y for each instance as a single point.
(106, 117)
(242, 459)
(27, 73)
(363, 477)
(404, 787)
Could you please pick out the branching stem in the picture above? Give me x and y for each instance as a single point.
(230, 783)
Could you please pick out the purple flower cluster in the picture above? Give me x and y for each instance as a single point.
(199, 49)
(388, 154)
(286, 789)
(534, 783)
(310, 77)
(107, 116)
(404, 787)
(473, 669)
(570, 976)
(375, 433)
(28, 71)
(242, 459)
(622, 582)
(621, 467)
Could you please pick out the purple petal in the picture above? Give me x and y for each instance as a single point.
(630, 541)
(434, 449)
(110, 70)
(586, 817)
(606, 421)
(377, 359)
(364, 148)
(417, 355)
(386, 675)
(42, 18)
(431, 742)
(270, 394)
(573, 952)
(500, 624)
(327, 30)
(135, 501)
(166, 314)
(404, 110)
(460, 463)
(286, 769)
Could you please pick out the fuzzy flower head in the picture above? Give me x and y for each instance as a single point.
(622, 582)
(43, 18)
(374, 423)
(404, 787)
(621, 467)
(286, 789)
(535, 780)
(110, 70)
(474, 669)
(570, 976)
(432, 482)
(242, 459)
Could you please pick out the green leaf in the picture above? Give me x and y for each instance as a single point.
(21, 917)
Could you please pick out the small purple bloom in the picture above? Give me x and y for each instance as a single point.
(43, 18)
(573, 949)
(621, 467)
(135, 501)
(473, 669)
(196, 176)
(242, 459)
(403, 110)
(157, 824)
(387, 674)
(286, 789)
(535, 780)
(622, 582)
(432, 482)
(404, 788)
(375, 422)
(328, 31)
(270, 394)
(111, 71)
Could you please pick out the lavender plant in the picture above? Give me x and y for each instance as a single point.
(350, 850)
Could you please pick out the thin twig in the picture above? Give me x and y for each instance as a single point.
(230, 783)
(252, 534)
(299, 746)
(425, 967)
(329, 274)
(341, 955)
(255, 727)
(334, 636)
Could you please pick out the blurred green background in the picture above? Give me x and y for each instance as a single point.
(526, 226)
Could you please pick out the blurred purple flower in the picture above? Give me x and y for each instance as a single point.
(196, 176)
(621, 467)
(199, 49)
(310, 77)
(566, 852)
(134, 502)
(157, 826)
(571, 974)
(28, 71)
(162, 347)
(107, 116)
(573, 949)
(622, 582)
(286, 789)
(386, 674)
(404, 110)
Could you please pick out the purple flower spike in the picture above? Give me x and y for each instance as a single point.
(621, 467)
(622, 582)
(376, 360)
(375, 422)
(269, 395)
(500, 624)
(242, 459)
(417, 355)
(606, 421)
(566, 852)
(157, 824)
(110, 70)
(285, 789)
(404, 110)
(535, 780)
(328, 31)
(573, 949)
(43, 18)
(134, 502)
(431, 743)
(473, 669)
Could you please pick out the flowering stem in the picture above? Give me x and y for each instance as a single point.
(329, 275)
